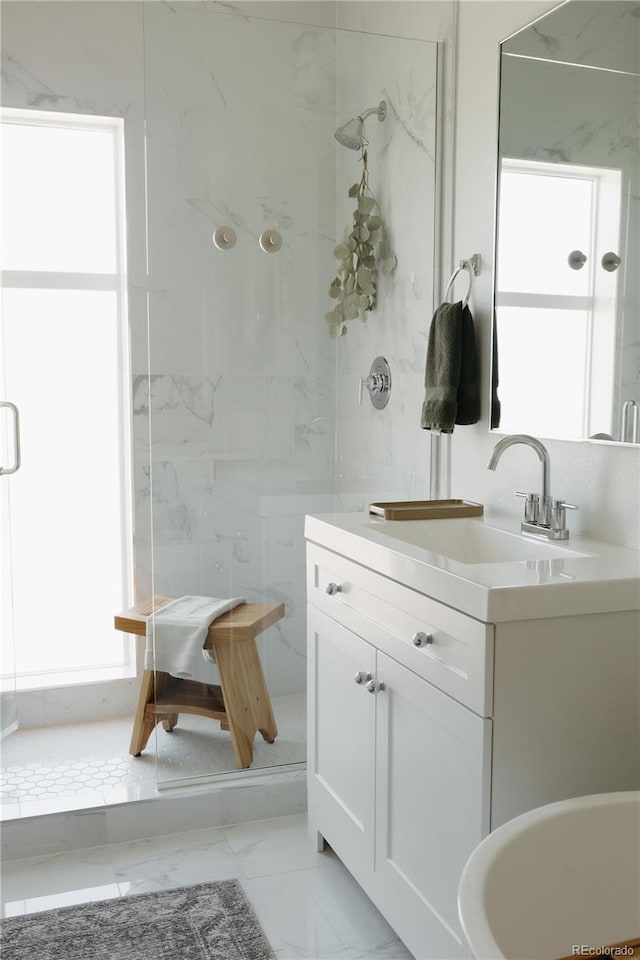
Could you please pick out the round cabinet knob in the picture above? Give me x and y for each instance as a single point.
(362, 677)
(375, 686)
(421, 639)
(333, 588)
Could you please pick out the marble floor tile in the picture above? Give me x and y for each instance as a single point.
(161, 863)
(308, 904)
(392, 950)
(44, 883)
(297, 911)
(274, 846)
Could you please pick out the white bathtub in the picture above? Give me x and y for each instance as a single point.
(558, 881)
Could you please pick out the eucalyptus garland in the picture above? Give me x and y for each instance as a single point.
(364, 251)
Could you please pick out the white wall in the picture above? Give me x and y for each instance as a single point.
(602, 479)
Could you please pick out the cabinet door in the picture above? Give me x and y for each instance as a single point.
(432, 789)
(340, 761)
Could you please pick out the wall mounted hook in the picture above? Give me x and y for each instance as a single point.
(270, 241)
(225, 238)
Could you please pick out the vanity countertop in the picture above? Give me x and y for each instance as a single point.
(582, 577)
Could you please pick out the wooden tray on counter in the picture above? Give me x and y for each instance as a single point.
(426, 509)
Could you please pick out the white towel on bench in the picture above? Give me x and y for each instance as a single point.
(176, 634)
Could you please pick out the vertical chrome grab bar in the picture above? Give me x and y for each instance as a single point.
(4, 471)
(631, 419)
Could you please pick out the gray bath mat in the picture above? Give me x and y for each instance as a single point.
(209, 921)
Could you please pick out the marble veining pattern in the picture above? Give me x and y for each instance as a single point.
(308, 904)
(598, 33)
(386, 451)
(235, 335)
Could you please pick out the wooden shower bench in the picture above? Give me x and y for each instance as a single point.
(240, 702)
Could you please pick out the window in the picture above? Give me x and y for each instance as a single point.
(65, 347)
(556, 325)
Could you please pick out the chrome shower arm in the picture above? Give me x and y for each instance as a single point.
(380, 111)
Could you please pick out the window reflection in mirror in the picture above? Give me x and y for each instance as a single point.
(568, 326)
(544, 296)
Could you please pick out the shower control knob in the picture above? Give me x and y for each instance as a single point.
(362, 677)
(421, 639)
(333, 588)
(378, 383)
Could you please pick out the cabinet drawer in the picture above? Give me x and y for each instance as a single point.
(459, 657)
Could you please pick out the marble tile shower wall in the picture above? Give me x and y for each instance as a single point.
(241, 394)
(385, 453)
(240, 116)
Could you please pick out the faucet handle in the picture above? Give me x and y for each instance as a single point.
(558, 514)
(531, 506)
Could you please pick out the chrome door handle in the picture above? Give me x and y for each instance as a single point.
(375, 686)
(332, 589)
(4, 471)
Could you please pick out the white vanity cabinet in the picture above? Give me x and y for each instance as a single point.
(398, 769)
(429, 727)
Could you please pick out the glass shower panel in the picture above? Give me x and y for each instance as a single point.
(253, 408)
(240, 115)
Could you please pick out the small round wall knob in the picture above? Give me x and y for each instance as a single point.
(421, 639)
(225, 238)
(270, 241)
(333, 588)
(611, 261)
(577, 259)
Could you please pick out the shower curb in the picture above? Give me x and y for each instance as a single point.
(169, 811)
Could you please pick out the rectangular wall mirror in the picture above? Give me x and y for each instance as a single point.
(567, 281)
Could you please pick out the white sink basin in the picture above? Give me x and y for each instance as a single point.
(485, 567)
(559, 877)
(471, 541)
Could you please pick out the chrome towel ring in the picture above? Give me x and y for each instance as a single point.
(472, 267)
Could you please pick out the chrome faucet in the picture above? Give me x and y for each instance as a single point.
(543, 516)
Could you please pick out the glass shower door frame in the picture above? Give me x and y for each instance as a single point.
(9, 464)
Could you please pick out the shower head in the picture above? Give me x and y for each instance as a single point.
(351, 133)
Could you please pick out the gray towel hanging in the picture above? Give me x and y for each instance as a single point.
(452, 387)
